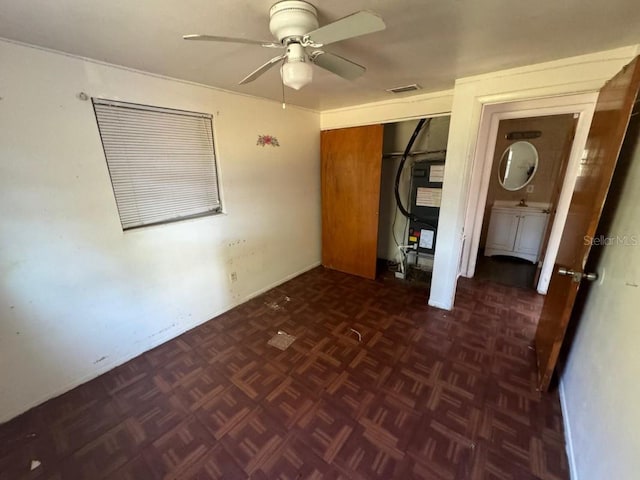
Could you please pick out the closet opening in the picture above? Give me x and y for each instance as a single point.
(413, 163)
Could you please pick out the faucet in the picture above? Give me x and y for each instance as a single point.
(523, 202)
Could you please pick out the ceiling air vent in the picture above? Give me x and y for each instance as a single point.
(406, 88)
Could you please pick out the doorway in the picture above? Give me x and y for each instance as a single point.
(529, 163)
(579, 109)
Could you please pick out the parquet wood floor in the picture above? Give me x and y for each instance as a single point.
(425, 394)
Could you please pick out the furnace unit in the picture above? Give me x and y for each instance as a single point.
(426, 196)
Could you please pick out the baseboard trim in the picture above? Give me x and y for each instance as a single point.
(567, 434)
(439, 305)
(156, 340)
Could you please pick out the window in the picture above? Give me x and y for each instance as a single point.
(161, 162)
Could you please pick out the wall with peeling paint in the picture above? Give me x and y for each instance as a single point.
(600, 388)
(77, 295)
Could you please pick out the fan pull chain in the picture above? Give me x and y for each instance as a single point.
(284, 105)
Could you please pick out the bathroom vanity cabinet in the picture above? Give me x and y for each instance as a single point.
(517, 231)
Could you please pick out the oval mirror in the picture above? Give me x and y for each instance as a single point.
(518, 165)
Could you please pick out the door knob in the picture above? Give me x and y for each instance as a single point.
(577, 276)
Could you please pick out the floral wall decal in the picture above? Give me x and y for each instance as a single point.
(264, 140)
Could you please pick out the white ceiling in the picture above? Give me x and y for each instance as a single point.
(426, 42)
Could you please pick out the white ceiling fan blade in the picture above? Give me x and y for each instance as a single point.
(354, 25)
(262, 69)
(336, 64)
(213, 38)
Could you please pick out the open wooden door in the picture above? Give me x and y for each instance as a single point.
(351, 167)
(608, 128)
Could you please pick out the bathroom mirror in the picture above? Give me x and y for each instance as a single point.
(518, 166)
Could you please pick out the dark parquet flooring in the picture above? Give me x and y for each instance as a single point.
(425, 394)
(506, 271)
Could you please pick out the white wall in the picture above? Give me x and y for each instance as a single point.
(78, 296)
(392, 110)
(600, 386)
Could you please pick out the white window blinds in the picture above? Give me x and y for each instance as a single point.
(161, 162)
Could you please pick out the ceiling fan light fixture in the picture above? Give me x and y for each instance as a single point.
(296, 71)
(297, 74)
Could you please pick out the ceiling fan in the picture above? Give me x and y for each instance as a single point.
(295, 24)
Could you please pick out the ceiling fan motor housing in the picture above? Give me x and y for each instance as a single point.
(292, 18)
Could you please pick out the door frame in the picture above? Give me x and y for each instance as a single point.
(582, 105)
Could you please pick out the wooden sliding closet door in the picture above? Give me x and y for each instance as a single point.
(351, 166)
